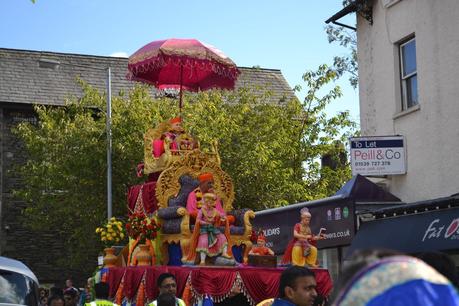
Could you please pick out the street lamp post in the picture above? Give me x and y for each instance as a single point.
(109, 143)
(55, 64)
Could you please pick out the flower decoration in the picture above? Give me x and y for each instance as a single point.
(111, 232)
(142, 228)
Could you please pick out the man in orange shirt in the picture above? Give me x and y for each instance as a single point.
(261, 248)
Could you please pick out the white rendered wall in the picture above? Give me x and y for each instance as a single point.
(431, 130)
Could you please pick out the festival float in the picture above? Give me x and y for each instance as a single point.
(181, 220)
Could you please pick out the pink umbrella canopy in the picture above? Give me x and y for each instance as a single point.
(182, 64)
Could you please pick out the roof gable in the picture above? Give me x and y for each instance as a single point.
(30, 77)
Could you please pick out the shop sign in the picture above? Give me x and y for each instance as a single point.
(335, 219)
(385, 155)
(436, 230)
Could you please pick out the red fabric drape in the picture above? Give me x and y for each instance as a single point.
(149, 197)
(150, 283)
(133, 193)
(151, 277)
(114, 279)
(215, 282)
(261, 283)
(181, 274)
(150, 203)
(324, 282)
(132, 280)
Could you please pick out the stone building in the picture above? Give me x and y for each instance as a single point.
(35, 77)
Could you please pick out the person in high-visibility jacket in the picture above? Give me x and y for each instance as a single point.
(167, 284)
(102, 291)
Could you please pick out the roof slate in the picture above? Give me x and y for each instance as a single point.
(24, 79)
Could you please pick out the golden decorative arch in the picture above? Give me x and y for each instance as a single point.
(194, 163)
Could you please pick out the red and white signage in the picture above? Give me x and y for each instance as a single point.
(383, 155)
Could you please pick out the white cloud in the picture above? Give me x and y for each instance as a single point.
(119, 54)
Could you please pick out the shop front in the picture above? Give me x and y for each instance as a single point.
(335, 217)
(412, 228)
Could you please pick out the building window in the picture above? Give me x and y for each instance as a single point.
(409, 77)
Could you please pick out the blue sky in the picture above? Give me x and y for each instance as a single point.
(285, 35)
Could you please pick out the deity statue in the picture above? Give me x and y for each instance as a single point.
(209, 240)
(174, 133)
(176, 137)
(195, 198)
(260, 248)
(164, 144)
(301, 251)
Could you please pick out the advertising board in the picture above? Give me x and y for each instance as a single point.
(385, 155)
(334, 217)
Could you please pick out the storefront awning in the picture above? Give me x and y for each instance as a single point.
(361, 189)
(436, 230)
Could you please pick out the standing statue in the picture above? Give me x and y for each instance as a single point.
(301, 251)
(209, 240)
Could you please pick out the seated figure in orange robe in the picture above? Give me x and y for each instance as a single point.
(195, 198)
(261, 248)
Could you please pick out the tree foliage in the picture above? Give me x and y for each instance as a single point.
(346, 63)
(272, 152)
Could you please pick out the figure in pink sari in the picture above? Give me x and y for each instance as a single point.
(211, 242)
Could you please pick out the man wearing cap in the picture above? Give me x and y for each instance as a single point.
(195, 198)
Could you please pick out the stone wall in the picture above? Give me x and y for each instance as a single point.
(39, 250)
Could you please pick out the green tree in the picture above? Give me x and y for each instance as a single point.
(345, 64)
(272, 152)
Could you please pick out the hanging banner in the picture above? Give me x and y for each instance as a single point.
(384, 155)
(334, 217)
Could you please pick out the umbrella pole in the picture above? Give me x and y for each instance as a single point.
(181, 92)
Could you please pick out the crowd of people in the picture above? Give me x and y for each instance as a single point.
(372, 278)
(66, 296)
